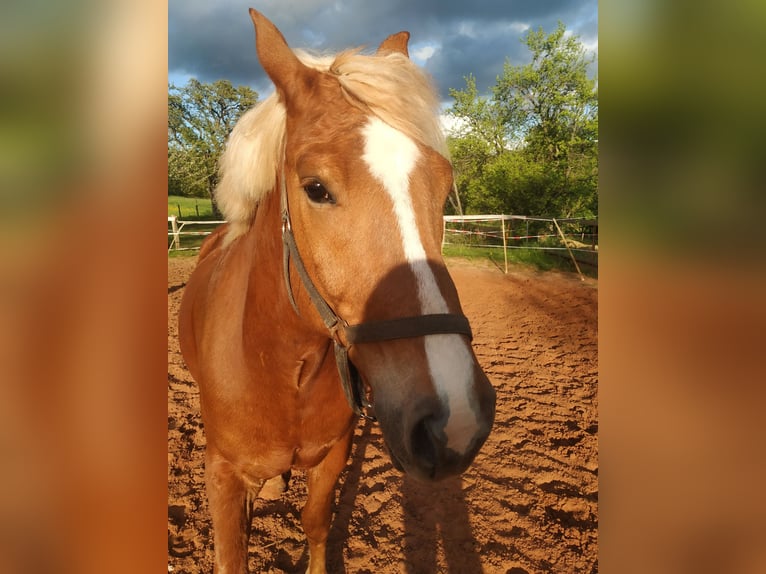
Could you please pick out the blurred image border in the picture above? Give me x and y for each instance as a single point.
(83, 317)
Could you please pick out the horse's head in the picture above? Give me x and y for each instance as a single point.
(366, 178)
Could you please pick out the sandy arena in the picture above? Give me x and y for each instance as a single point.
(529, 502)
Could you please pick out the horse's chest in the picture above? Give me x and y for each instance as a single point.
(274, 410)
(309, 455)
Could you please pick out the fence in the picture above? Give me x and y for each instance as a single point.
(576, 238)
(175, 232)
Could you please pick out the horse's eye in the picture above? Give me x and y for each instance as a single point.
(317, 193)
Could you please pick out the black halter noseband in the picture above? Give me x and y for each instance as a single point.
(373, 331)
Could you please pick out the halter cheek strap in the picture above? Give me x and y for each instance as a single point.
(374, 331)
(352, 384)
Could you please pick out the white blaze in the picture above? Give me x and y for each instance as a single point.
(391, 157)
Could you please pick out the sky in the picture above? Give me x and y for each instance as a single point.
(214, 39)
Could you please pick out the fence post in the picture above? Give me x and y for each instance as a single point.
(566, 244)
(526, 237)
(505, 245)
(593, 229)
(176, 233)
(444, 232)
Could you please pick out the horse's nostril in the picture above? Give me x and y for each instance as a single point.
(423, 443)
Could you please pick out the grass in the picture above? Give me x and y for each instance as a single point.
(183, 254)
(190, 208)
(535, 258)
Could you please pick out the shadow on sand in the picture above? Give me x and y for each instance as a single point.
(435, 514)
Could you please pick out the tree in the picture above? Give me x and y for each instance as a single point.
(477, 137)
(553, 91)
(200, 117)
(560, 106)
(478, 118)
(186, 174)
(541, 125)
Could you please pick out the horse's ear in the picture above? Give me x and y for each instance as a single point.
(395, 43)
(284, 68)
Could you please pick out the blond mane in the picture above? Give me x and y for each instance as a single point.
(390, 86)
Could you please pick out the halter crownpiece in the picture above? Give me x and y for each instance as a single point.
(373, 331)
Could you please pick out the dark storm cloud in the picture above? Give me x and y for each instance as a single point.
(213, 40)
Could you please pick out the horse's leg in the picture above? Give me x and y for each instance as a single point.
(231, 506)
(315, 516)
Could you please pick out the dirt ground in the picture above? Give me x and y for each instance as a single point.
(529, 502)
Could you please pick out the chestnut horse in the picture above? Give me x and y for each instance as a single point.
(326, 293)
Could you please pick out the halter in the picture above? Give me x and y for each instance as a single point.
(344, 335)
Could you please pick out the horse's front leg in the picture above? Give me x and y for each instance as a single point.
(315, 516)
(231, 506)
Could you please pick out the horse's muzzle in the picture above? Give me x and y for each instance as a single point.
(421, 447)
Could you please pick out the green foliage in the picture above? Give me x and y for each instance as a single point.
(469, 154)
(478, 117)
(200, 117)
(531, 148)
(509, 183)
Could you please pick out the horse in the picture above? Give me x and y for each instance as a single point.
(325, 298)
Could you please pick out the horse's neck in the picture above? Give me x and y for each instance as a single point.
(267, 290)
